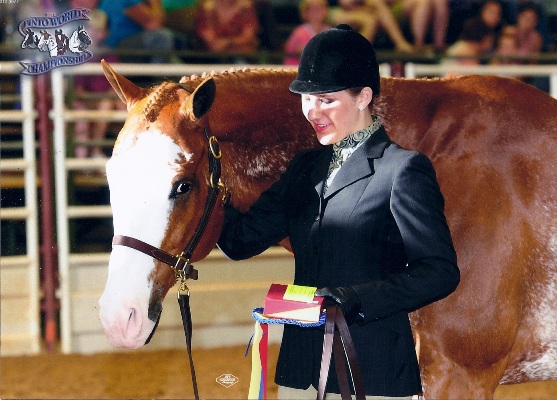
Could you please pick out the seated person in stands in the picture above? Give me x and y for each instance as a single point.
(530, 40)
(421, 14)
(228, 26)
(138, 24)
(475, 41)
(366, 17)
(490, 15)
(507, 47)
(314, 14)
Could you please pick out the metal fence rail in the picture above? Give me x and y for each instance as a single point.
(20, 302)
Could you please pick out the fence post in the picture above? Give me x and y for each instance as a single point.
(48, 248)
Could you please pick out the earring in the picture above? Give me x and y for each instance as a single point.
(361, 107)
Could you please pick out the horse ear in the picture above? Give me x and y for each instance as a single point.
(126, 90)
(201, 100)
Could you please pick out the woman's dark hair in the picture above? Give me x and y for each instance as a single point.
(475, 30)
(529, 5)
(356, 91)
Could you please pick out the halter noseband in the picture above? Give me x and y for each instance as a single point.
(180, 263)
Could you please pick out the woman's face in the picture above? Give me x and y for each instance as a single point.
(333, 116)
(527, 20)
(316, 12)
(491, 14)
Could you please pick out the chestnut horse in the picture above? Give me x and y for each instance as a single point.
(493, 142)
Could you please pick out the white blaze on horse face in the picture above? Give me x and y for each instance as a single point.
(140, 180)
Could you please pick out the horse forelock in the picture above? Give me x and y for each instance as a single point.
(160, 96)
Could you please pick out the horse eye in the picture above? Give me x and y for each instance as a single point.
(179, 188)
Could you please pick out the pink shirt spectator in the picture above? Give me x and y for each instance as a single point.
(298, 38)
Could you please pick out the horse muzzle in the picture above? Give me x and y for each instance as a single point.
(126, 327)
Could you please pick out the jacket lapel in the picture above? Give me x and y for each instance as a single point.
(319, 173)
(357, 166)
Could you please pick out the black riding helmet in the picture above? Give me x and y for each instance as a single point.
(337, 59)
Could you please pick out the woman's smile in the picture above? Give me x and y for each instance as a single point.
(320, 127)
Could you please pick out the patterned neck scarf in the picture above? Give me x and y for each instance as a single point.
(344, 149)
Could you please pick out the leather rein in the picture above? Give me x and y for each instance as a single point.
(180, 263)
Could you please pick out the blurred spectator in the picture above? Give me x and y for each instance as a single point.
(228, 26)
(314, 14)
(138, 24)
(421, 14)
(529, 40)
(475, 41)
(366, 17)
(507, 47)
(94, 92)
(544, 8)
(491, 15)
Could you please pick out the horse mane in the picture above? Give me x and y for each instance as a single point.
(233, 73)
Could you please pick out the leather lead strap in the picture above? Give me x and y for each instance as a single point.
(338, 340)
(327, 347)
(184, 302)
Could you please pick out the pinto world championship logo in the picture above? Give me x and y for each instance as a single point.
(50, 35)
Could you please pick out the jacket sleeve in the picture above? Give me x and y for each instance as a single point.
(249, 234)
(245, 235)
(417, 206)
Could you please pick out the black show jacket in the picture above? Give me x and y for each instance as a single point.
(381, 228)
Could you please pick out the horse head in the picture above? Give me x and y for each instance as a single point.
(159, 179)
(30, 39)
(47, 43)
(61, 41)
(79, 40)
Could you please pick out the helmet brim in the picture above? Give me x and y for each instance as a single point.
(302, 87)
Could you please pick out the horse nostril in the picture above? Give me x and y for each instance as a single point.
(134, 323)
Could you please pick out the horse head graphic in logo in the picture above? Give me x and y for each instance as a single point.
(79, 40)
(30, 39)
(61, 41)
(47, 43)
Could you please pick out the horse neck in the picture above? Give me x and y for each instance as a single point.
(260, 129)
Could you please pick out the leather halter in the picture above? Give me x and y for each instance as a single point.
(180, 263)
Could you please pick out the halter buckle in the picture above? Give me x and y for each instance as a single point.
(181, 273)
(214, 147)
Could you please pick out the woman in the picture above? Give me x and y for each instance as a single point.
(365, 221)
